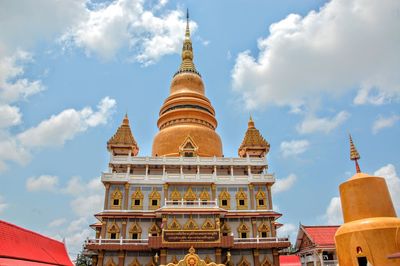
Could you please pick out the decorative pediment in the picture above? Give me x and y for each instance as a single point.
(191, 224)
(137, 194)
(135, 262)
(244, 262)
(113, 228)
(204, 195)
(135, 228)
(266, 261)
(176, 195)
(243, 228)
(154, 229)
(207, 225)
(260, 194)
(192, 259)
(241, 194)
(224, 195)
(190, 195)
(225, 228)
(174, 225)
(188, 148)
(110, 262)
(263, 227)
(154, 194)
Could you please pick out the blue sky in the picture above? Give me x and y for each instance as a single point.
(309, 72)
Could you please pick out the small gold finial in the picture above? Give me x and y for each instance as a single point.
(125, 122)
(250, 124)
(187, 33)
(354, 155)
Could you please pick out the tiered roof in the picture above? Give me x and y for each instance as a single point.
(289, 260)
(320, 236)
(123, 140)
(22, 247)
(253, 141)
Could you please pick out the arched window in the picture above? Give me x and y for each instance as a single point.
(243, 230)
(154, 230)
(113, 231)
(116, 199)
(225, 199)
(154, 199)
(241, 200)
(261, 199)
(135, 231)
(137, 199)
(263, 230)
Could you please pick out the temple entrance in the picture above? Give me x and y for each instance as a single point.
(192, 259)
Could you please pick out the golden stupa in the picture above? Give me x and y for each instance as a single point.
(187, 120)
(371, 229)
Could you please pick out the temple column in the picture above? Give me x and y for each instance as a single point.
(124, 229)
(251, 189)
(163, 256)
(269, 196)
(126, 196)
(103, 229)
(218, 255)
(121, 258)
(213, 192)
(100, 258)
(254, 227)
(107, 195)
(94, 260)
(165, 187)
(256, 257)
(275, 255)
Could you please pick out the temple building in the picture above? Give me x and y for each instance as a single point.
(186, 196)
(370, 234)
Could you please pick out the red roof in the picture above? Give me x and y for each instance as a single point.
(19, 246)
(322, 235)
(289, 260)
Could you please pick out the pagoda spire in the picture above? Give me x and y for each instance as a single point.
(253, 144)
(123, 142)
(187, 64)
(354, 155)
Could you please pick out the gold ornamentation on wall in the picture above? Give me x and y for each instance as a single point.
(176, 195)
(174, 260)
(137, 199)
(190, 195)
(135, 262)
(226, 229)
(241, 200)
(151, 262)
(116, 199)
(174, 225)
(207, 259)
(266, 262)
(154, 199)
(207, 225)
(243, 230)
(135, 231)
(188, 148)
(204, 195)
(113, 231)
(154, 230)
(191, 224)
(244, 262)
(261, 199)
(225, 199)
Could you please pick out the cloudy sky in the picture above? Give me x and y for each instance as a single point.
(309, 72)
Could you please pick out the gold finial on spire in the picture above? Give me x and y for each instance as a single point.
(354, 155)
(187, 64)
(250, 124)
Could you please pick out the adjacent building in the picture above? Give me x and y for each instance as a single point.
(315, 245)
(187, 194)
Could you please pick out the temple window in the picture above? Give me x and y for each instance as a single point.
(137, 199)
(241, 199)
(175, 196)
(113, 231)
(190, 196)
(204, 197)
(224, 199)
(261, 199)
(188, 148)
(116, 197)
(154, 230)
(225, 229)
(154, 199)
(243, 230)
(135, 231)
(263, 229)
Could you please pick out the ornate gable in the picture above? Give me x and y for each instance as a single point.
(123, 143)
(190, 195)
(175, 225)
(191, 224)
(253, 144)
(176, 195)
(188, 148)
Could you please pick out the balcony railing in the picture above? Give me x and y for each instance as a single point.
(261, 240)
(121, 241)
(190, 204)
(330, 263)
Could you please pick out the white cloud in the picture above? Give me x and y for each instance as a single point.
(3, 204)
(384, 122)
(332, 51)
(9, 116)
(126, 23)
(57, 222)
(294, 147)
(288, 230)
(333, 214)
(56, 130)
(11, 150)
(42, 183)
(312, 124)
(393, 182)
(284, 184)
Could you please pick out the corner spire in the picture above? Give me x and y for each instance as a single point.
(187, 64)
(354, 155)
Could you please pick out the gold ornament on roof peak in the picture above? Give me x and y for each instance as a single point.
(123, 141)
(354, 155)
(187, 64)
